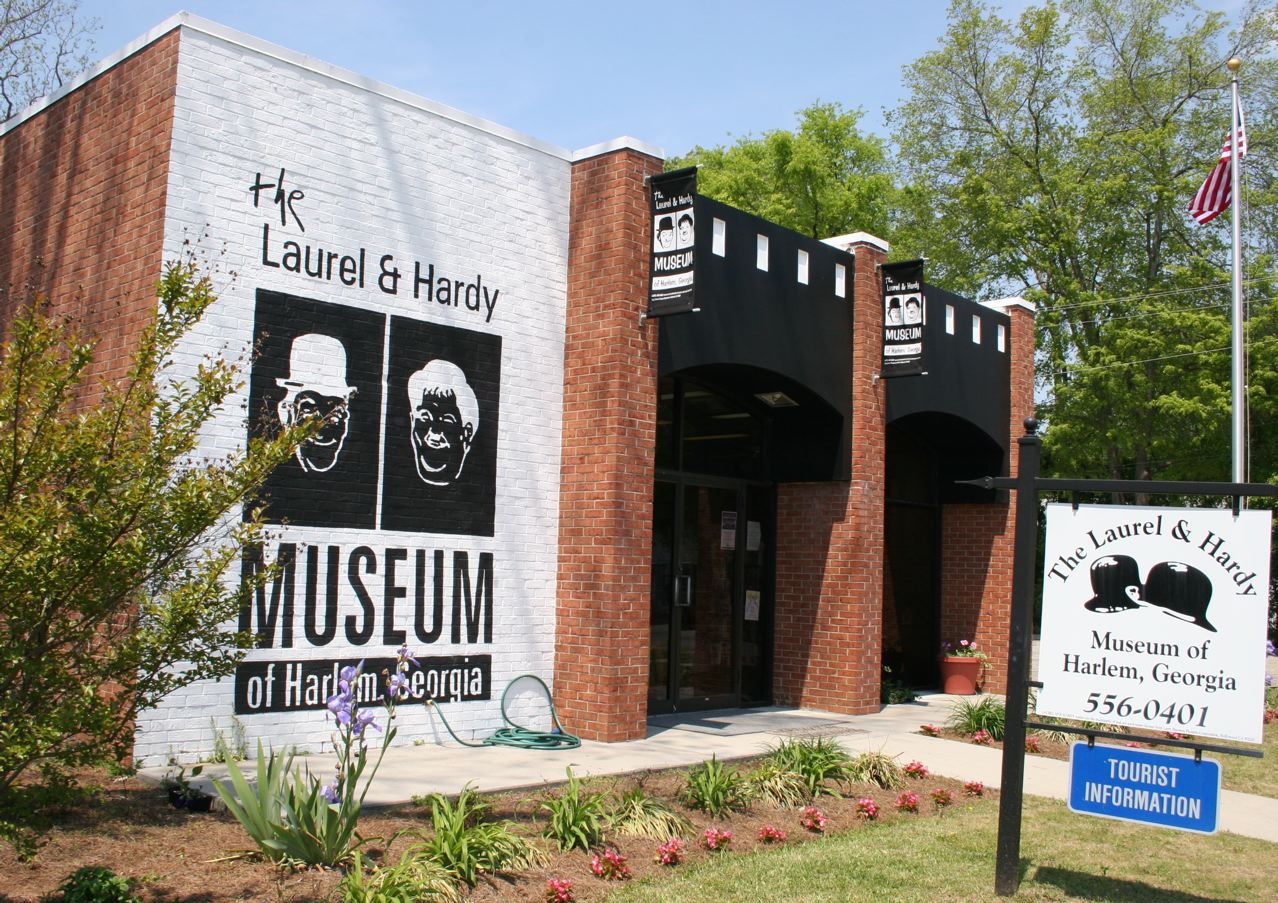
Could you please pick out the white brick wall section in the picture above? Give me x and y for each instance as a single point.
(390, 177)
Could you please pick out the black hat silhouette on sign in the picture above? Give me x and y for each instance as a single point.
(1180, 590)
(1116, 584)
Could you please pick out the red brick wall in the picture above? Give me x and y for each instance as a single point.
(610, 424)
(82, 198)
(829, 592)
(978, 540)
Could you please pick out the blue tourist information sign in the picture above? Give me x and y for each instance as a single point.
(1137, 785)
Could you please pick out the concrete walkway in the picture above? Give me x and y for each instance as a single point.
(739, 734)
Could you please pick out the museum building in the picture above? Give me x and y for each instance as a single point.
(655, 450)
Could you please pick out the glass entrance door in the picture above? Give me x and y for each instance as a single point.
(709, 595)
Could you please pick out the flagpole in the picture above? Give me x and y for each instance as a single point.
(1238, 434)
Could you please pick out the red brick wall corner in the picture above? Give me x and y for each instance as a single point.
(83, 187)
(610, 423)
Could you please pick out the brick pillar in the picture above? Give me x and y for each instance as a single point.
(830, 542)
(610, 428)
(83, 188)
(978, 540)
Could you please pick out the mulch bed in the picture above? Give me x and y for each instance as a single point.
(176, 855)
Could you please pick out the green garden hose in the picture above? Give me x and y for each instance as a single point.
(517, 735)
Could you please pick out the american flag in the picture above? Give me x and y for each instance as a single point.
(1215, 195)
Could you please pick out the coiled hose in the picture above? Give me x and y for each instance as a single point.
(516, 735)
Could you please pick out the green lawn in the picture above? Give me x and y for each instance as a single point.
(1065, 857)
(1247, 775)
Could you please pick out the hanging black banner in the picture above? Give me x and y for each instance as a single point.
(673, 231)
(904, 315)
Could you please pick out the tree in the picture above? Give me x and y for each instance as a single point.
(116, 540)
(823, 179)
(42, 44)
(1055, 157)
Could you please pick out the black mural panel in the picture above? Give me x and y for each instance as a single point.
(440, 451)
(319, 359)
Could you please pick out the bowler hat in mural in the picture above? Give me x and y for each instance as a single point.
(317, 362)
(1180, 590)
(1115, 584)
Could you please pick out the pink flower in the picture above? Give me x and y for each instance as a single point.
(611, 866)
(941, 797)
(867, 809)
(916, 770)
(813, 819)
(974, 788)
(770, 834)
(931, 730)
(908, 802)
(559, 890)
(982, 737)
(670, 852)
(1032, 745)
(715, 839)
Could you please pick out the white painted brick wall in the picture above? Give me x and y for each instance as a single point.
(394, 178)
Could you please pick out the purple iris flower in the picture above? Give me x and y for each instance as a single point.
(406, 655)
(363, 719)
(330, 792)
(397, 686)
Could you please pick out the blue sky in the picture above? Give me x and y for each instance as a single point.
(577, 73)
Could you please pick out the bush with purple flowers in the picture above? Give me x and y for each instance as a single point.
(294, 816)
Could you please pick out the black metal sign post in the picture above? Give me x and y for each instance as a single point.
(1007, 876)
(1028, 485)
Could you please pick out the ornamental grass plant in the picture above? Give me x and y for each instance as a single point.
(987, 713)
(716, 790)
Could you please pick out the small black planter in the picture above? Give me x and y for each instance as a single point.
(191, 800)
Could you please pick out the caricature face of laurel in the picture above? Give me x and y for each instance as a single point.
(444, 419)
(316, 389)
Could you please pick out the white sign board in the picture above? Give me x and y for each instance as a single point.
(1155, 618)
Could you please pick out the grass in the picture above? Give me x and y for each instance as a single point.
(1064, 856)
(1248, 775)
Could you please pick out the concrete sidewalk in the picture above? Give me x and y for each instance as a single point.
(737, 734)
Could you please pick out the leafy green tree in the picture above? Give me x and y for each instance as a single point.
(116, 540)
(823, 179)
(1054, 157)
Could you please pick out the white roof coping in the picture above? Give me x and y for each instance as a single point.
(845, 242)
(625, 142)
(1004, 304)
(318, 66)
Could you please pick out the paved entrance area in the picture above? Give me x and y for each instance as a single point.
(676, 741)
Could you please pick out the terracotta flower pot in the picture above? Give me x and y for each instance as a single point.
(960, 674)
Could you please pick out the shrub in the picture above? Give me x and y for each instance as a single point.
(118, 542)
(987, 714)
(411, 879)
(716, 790)
(819, 761)
(908, 802)
(916, 770)
(867, 809)
(876, 768)
(942, 798)
(638, 814)
(465, 846)
(576, 817)
(974, 788)
(94, 884)
(780, 787)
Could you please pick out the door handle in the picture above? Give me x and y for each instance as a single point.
(683, 590)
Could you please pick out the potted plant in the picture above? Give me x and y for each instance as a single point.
(182, 795)
(961, 666)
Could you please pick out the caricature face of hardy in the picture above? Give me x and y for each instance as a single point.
(317, 390)
(444, 419)
(685, 230)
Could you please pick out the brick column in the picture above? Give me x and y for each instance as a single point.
(978, 541)
(83, 187)
(829, 592)
(610, 428)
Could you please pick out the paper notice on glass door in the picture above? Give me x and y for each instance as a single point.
(728, 530)
(754, 533)
(752, 605)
